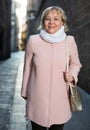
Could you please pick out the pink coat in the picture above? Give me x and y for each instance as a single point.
(43, 80)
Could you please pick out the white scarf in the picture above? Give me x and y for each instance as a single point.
(56, 37)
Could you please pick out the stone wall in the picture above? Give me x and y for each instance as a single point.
(5, 21)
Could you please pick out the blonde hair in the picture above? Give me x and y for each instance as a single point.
(59, 10)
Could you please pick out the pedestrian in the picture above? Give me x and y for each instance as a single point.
(44, 76)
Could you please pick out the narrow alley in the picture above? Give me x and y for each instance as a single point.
(12, 106)
(20, 19)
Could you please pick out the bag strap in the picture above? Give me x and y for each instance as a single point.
(67, 56)
(67, 60)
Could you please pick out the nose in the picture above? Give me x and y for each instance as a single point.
(51, 21)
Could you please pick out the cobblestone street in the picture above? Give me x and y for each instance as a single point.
(12, 106)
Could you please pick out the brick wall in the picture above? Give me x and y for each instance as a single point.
(79, 20)
(78, 13)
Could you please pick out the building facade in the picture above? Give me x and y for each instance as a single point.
(5, 27)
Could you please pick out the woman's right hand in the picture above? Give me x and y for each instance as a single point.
(68, 77)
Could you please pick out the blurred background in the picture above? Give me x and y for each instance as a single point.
(20, 18)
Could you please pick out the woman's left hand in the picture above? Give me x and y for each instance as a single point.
(68, 77)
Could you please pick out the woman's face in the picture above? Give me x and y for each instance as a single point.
(53, 22)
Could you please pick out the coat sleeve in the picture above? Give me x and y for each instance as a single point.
(74, 63)
(27, 68)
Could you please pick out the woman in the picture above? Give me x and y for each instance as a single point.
(44, 78)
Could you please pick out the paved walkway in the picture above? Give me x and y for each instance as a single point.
(8, 74)
(12, 106)
(17, 120)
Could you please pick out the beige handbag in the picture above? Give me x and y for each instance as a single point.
(74, 94)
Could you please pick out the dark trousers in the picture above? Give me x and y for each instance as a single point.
(53, 127)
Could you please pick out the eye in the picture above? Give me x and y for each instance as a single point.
(47, 19)
(56, 19)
